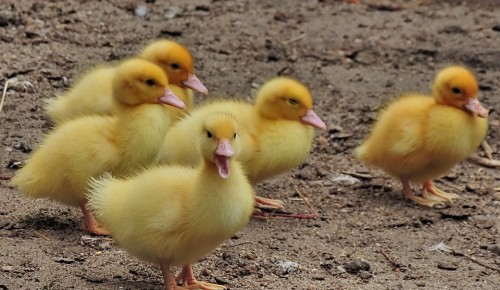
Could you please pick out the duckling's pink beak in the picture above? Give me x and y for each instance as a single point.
(223, 155)
(474, 106)
(194, 83)
(171, 99)
(310, 118)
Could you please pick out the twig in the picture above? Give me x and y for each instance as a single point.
(295, 38)
(239, 244)
(487, 149)
(4, 93)
(395, 264)
(5, 177)
(41, 235)
(484, 161)
(308, 203)
(474, 260)
(358, 175)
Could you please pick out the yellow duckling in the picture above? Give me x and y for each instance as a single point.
(88, 146)
(419, 138)
(92, 94)
(174, 215)
(276, 132)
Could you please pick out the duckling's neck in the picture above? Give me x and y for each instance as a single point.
(140, 132)
(210, 174)
(212, 192)
(437, 96)
(263, 111)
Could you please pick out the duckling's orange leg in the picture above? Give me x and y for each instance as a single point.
(408, 193)
(168, 278)
(262, 202)
(91, 223)
(429, 188)
(190, 282)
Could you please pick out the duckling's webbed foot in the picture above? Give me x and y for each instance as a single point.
(430, 189)
(408, 193)
(91, 224)
(262, 202)
(190, 282)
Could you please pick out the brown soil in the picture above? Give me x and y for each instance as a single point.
(354, 57)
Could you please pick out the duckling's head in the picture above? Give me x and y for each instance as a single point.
(177, 63)
(456, 86)
(219, 141)
(285, 98)
(137, 81)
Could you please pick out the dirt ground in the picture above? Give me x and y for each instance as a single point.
(354, 57)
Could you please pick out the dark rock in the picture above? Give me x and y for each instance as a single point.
(65, 260)
(14, 164)
(496, 27)
(356, 266)
(221, 281)
(31, 34)
(494, 248)
(202, 7)
(4, 21)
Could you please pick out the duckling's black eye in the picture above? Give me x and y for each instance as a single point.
(234, 136)
(293, 102)
(150, 82)
(175, 66)
(456, 90)
(209, 134)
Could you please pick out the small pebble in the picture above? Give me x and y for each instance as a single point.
(365, 275)
(7, 268)
(172, 12)
(287, 266)
(345, 179)
(249, 256)
(141, 10)
(496, 196)
(447, 265)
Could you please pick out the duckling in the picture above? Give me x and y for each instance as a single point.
(174, 215)
(418, 138)
(92, 94)
(88, 146)
(276, 131)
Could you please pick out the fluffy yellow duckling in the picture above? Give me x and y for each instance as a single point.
(276, 132)
(88, 146)
(92, 94)
(419, 138)
(174, 215)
